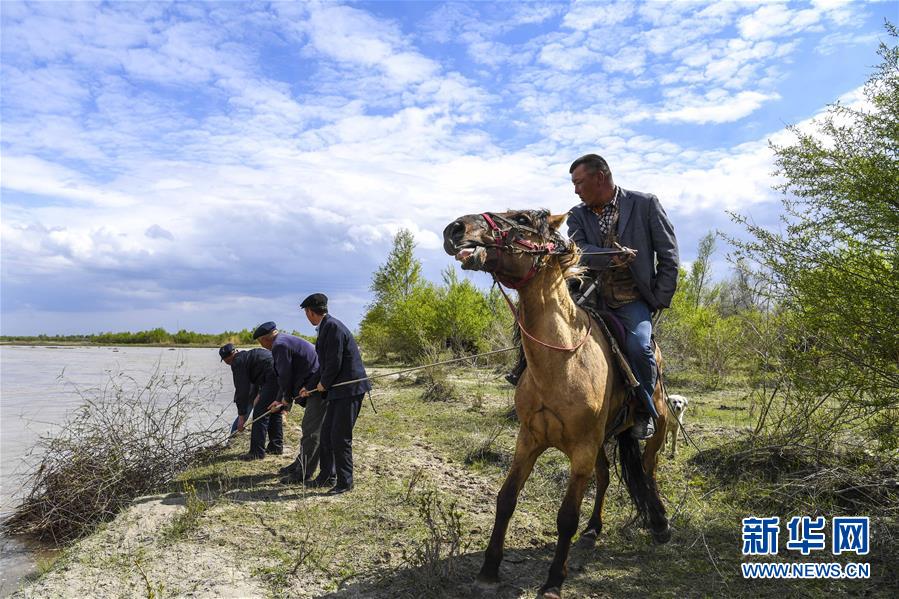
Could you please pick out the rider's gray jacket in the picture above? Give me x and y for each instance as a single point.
(642, 226)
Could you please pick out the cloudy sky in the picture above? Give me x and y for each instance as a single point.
(207, 165)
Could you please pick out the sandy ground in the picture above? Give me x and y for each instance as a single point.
(202, 570)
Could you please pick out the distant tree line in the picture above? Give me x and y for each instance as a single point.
(157, 336)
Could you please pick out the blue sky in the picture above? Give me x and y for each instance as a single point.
(207, 165)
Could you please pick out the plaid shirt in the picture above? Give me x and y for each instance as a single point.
(607, 216)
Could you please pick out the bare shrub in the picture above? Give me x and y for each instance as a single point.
(417, 476)
(125, 440)
(852, 480)
(434, 555)
(435, 379)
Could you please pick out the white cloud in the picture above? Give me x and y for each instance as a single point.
(585, 15)
(351, 35)
(716, 106)
(32, 175)
(199, 151)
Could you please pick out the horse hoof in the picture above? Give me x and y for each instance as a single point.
(550, 593)
(487, 580)
(588, 537)
(662, 536)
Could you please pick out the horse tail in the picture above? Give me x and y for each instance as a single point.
(642, 488)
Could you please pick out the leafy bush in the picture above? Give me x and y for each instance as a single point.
(832, 271)
(410, 314)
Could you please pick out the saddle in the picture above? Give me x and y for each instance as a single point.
(611, 327)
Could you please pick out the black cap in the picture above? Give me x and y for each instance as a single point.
(264, 329)
(226, 350)
(316, 300)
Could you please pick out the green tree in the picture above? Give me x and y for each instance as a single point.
(697, 284)
(396, 285)
(832, 270)
(465, 314)
(396, 279)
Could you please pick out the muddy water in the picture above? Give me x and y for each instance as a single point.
(41, 386)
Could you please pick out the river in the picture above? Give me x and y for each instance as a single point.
(41, 386)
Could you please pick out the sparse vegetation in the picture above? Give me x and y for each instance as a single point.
(188, 520)
(485, 449)
(364, 544)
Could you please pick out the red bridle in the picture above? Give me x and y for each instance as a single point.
(502, 243)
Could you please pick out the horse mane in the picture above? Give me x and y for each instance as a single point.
(570, 262)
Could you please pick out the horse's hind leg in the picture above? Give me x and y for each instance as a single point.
(582, 465)
(653, 446)
(655, 443)
(526, 453)
(594, 524)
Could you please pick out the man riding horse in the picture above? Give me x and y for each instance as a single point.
(635, 284)
(572, 390)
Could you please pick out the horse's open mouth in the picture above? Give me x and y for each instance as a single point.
(465, 254)
(472, 258)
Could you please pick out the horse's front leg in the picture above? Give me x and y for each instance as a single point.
(594, 524)
(582, 464)
(527, 450)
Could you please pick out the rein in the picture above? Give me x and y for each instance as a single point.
(517, 316)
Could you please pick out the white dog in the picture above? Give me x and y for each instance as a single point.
(677, 405)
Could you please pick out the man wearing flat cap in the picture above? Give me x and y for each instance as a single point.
(254, 377)
(296, 366)
(343, 383)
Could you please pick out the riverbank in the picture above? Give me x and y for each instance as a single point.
(418, 520)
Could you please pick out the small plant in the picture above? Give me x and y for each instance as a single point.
(438, 387)
(303, 552)
(154, 590)
(189, 519)
(434, 556)
(417, 476)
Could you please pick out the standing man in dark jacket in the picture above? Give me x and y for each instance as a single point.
(296, 366)
(254, 375)
(637, 283)
(340, 362)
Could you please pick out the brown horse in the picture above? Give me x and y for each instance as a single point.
(571, 390)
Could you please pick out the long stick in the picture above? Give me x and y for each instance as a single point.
(246, 425)
(377, 376)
